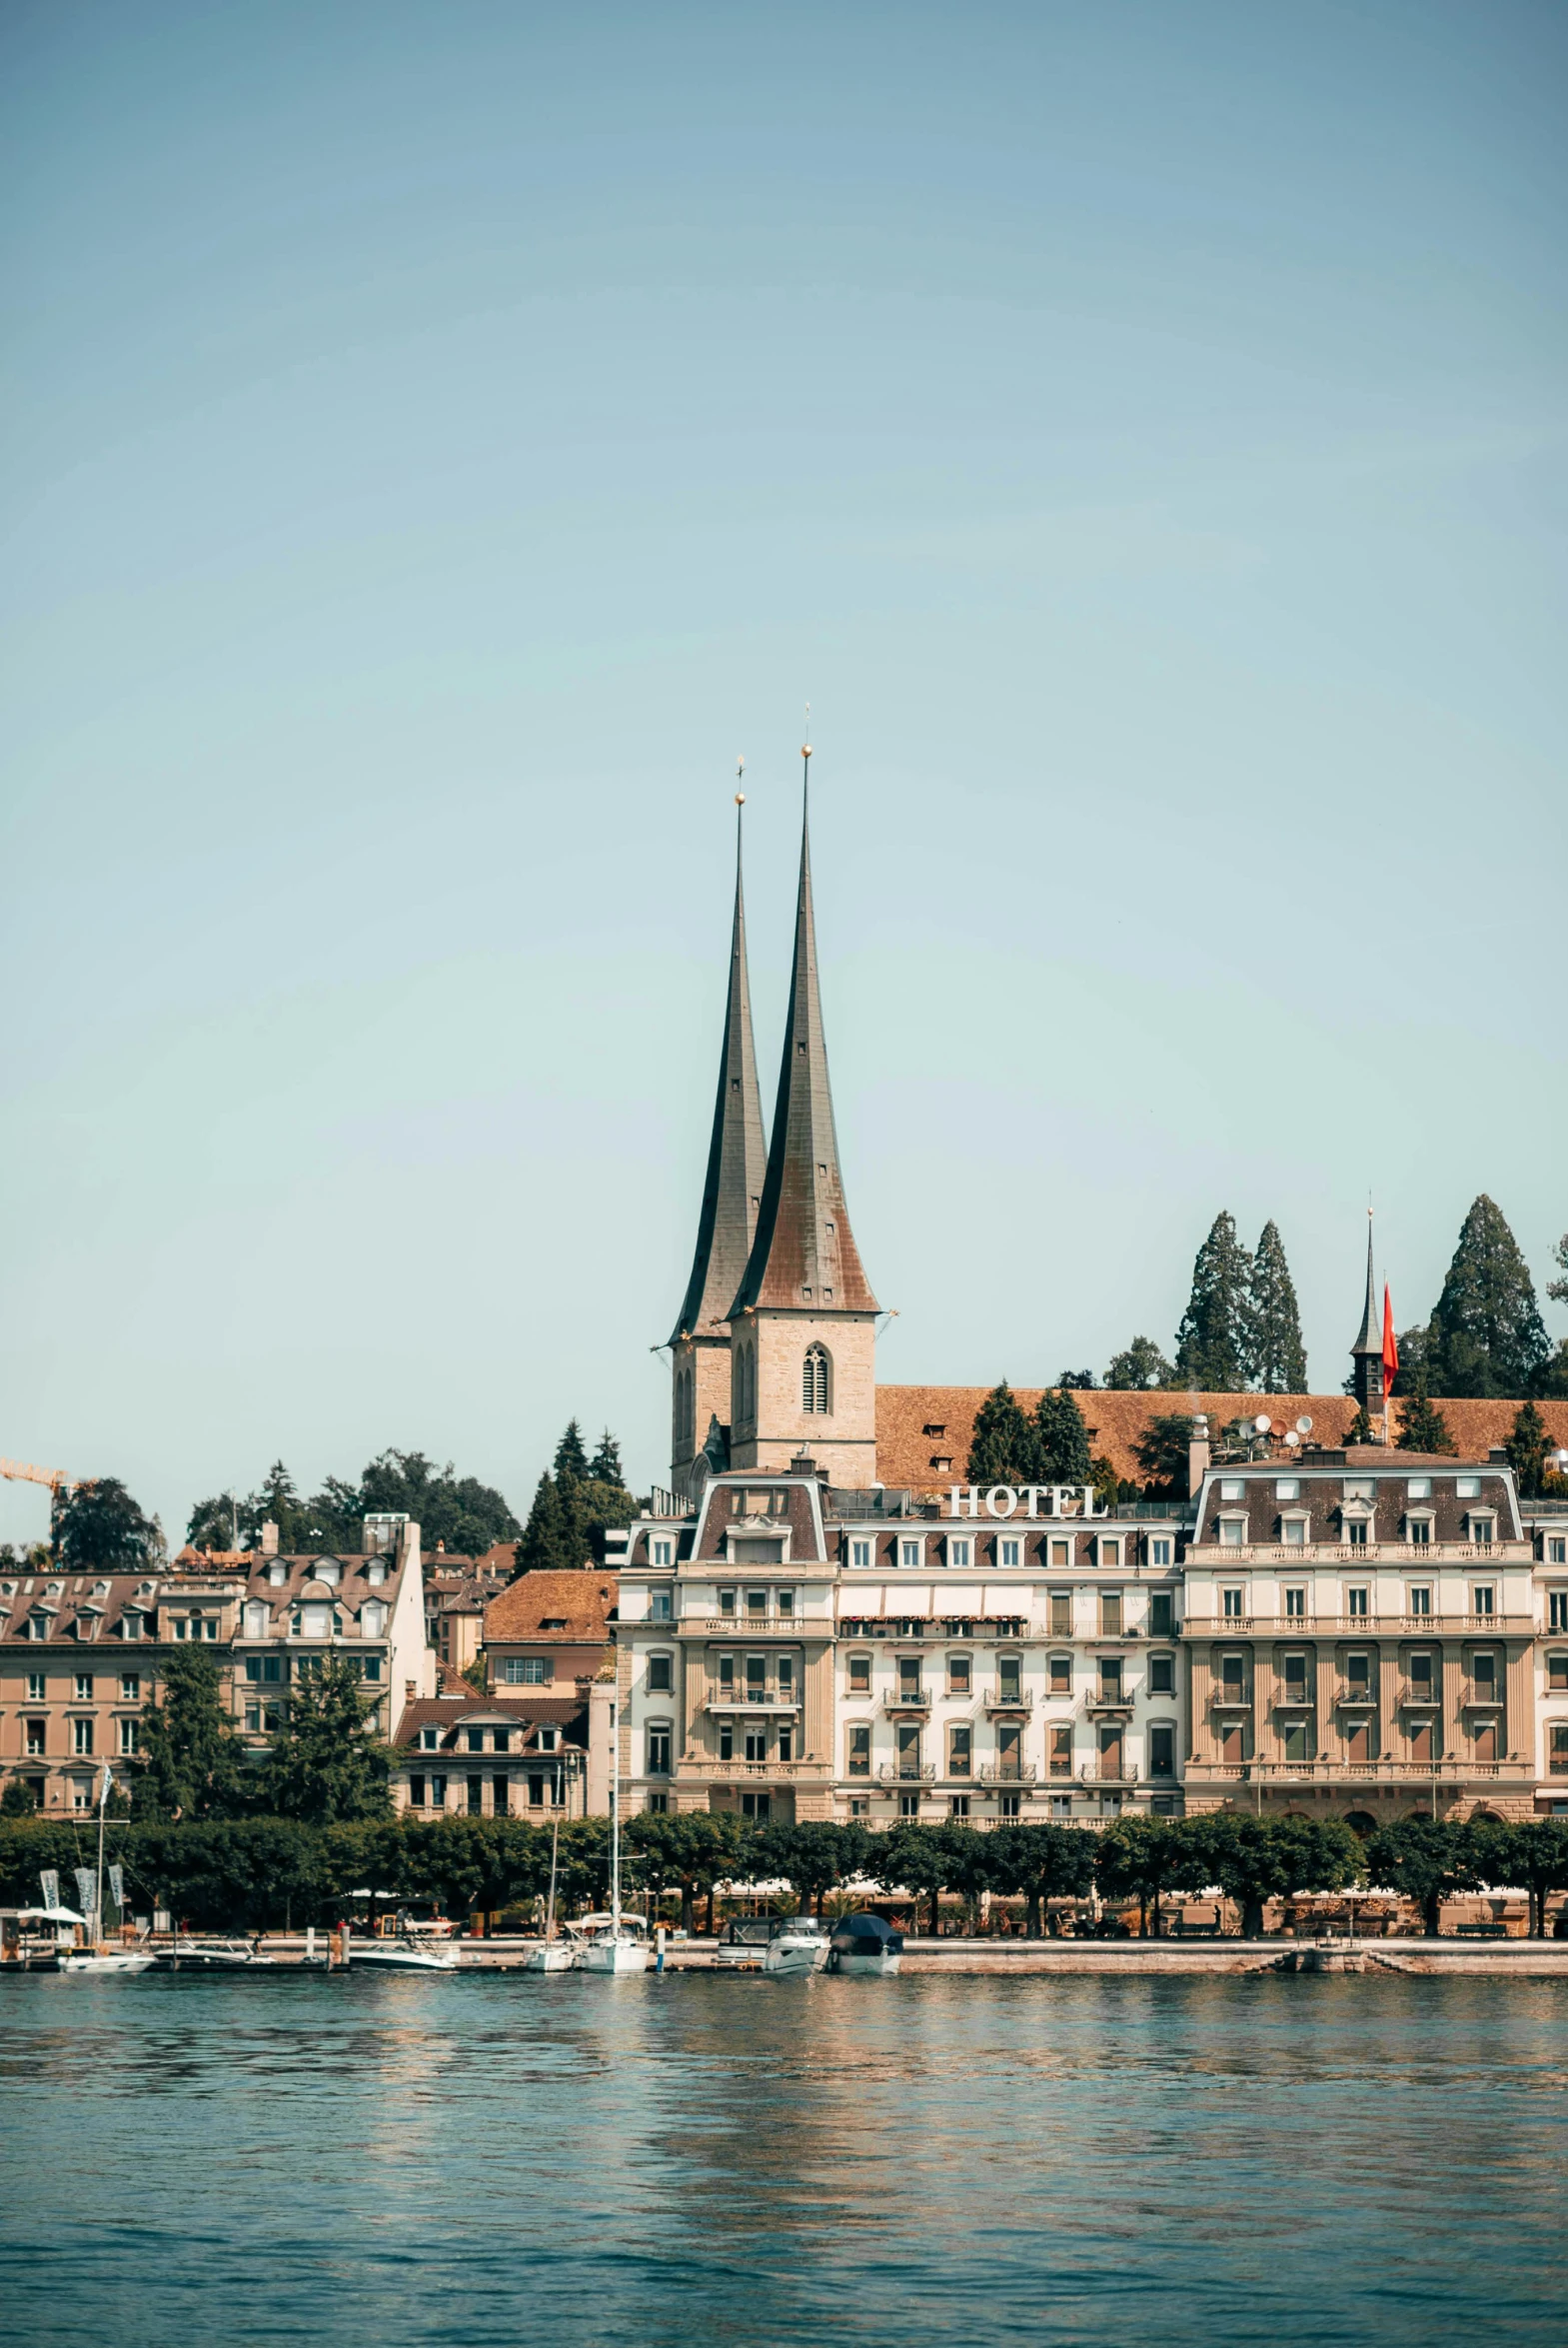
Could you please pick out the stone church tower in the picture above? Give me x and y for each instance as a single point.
(731, 1200)
(802, 1323)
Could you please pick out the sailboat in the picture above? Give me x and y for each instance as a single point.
(557, 1957)
(98, 1959)
(619, 1948)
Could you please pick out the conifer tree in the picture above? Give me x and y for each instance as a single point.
(1360, 1430)
(546, 1536)
(1558, 1290)
(1527, 1447)
(1213, 1343)
(1277, 1361)
(1425, 1428)
(1486, 1334)
(327, 1766)
(570, 1457)
(604, 1466)
(1002, 1446)
(191, 1764)
(1061, 1441)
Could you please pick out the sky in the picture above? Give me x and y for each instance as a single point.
(440, 439)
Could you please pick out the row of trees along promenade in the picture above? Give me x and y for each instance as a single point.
(266, 1873)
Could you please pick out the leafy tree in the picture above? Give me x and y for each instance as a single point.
(1277, 1358)
(1527, 1447)
(924, 1859)
(1161, 1452)
(812, 1856)
(1061, 1441)
(695, 1849)
(1424, 1427)
(326, 1764)
(1486, 1334)
(228, 1874)
(1532, 1852)
(1215, 1343)
(1003, 1448)
(1426, 1859)
(18, 1799)
(1143, 1858)
(191, 1763)
(99, 1529)
(1255, 1860)
(1079, 1381)
(214, 1523)
(1141, 1367)
(570, 1457)
(1042, 1862)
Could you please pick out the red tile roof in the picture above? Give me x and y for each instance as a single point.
(579, 1602)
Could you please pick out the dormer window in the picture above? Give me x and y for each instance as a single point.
(1232, 1488)
(1483, 1528)
(961, 1549)
(1419, 1488)
(329, 1570)
(277, 1575)
(548, 1740)
(1293, 1532)
(1360, 1488)
(1288, 1488)
(1418, 1531)
(430, 1740)
(1232, 1531)
(376, 1573)
(554, 1622)
(372, 1618)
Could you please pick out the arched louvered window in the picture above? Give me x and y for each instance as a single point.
(814, 1379)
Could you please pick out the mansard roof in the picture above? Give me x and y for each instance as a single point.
(803, 1256)
(736, 1152)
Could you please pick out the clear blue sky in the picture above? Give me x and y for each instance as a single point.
(440, 436)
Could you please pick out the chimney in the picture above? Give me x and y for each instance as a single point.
(269, 1538)
(1197, 1455)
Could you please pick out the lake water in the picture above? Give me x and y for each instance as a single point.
(495, 2158)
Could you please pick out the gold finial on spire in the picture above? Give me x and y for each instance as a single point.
(740, 772)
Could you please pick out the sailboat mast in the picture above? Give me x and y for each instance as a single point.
(103, 1814)
(549, 1911)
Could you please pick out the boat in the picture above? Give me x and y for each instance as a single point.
(406, 1944)
(553, 1955)
(798, 1948)
(108, 1960)
(99, 1957)
(613, 1943)
(191, 1953)
(866, 1945)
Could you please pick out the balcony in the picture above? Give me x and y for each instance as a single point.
(1453, 1770)
(1481, 1696)
(1108, 1703)
(1231, 1695)
(1007, 1773)
(1295, 1696)
(743, 1627)
(907, 1772)
(721, 1773)
(907, 1699)
(763, 1702)
(1410, 1557)
(1356, 1695)
(1017, 1703)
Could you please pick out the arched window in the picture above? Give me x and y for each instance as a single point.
(814, 1379)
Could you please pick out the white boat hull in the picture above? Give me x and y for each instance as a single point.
(403, 1960)
(127, 1961)
(613, 1956)
(869, 1968)
(787, 1960)
(558, 1956)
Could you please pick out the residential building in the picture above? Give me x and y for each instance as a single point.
(369, 1608)
(494, 1758)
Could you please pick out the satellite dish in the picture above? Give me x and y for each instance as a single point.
(1291, 1436)
(1303, 1426)
(1262, 1422)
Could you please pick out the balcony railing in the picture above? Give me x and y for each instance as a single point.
(1020, 1700)
(1109, 1702)
(1007, 1773)
(907, 1699)
(1359, 1772)
(1333, 1626)
(907, 1772)
(732, 1699)
(1355, 1694)
(1413, 1555)
(707, 1767)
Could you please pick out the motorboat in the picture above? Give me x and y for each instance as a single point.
(611, 1944)
(106, 1962)
(209, 1953)
(866, 1945)
(406, 1944)
(797, 1948)
(745, 1940)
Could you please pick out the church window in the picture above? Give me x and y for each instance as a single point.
(814, 1379)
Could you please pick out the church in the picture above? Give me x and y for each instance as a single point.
(821, 1619)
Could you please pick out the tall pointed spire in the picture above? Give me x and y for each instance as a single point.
(737, 1151)
(803, 1256)
(1366, 1354)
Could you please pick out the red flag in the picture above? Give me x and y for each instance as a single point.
(1390, 1344)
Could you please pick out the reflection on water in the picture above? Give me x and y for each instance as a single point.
(491, 2158)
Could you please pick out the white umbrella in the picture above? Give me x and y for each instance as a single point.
(50, 1916)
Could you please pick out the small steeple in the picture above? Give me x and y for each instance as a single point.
(737, 1151)
(803, 1256)
(1366, 1354)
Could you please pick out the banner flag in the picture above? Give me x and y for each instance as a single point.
(50, 1880)
(86, 1889)
(117, 1885)
(1390, 1344)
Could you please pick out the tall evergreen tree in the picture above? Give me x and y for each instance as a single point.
(1486, 1334)
(327, 1766)
(1061, 1441)
(191, 1763)
(1424, 1429)
(1527, 1447)
(1277, 1363)
(1001, 1450)
(546, 1538)
(570, 1457)
(1213, 1343)
(1361, 1429)
(604, 1466)
(1139, 1369)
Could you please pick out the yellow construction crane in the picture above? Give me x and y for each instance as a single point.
(23, 1472)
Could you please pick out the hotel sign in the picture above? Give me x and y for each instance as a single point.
(1002, 1500)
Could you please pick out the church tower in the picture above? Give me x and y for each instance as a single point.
(1366, 1354)
(732, 1197)
(804, 1320)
